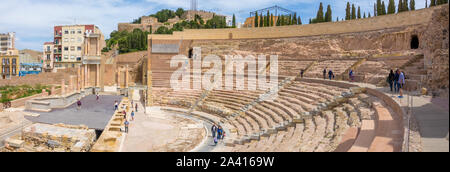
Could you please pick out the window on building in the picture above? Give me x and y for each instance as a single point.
(79, 48)
(72, 48)
(66, 39)
(79, 31)
(48, 56)
(66, 48)
(72, 57)
(80, 39)
(72, 39)
(66, 56)
(14, 61)
(66, 32)
(72, 32)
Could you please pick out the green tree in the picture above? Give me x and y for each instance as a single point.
(164, 15)
(412, 5)
(278, 20)
(353, 12)
(261, 21)
(299, 21)
(347, 12)
(359, 12)
(319, 16)
(271, 20)
(391, 7)
(267, 21)
(400, 6)
(180, 12)
(379, 11)
(328, 14)
(383, 8)
(256, 20)
(369, 15)
(364, 16)
(294, 19)
(405, 5)
(234, 21)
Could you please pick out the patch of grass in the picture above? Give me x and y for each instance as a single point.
(10, 93)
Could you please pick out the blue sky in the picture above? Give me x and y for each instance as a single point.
(33, 20)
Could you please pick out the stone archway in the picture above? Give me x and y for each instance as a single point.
(414, 42)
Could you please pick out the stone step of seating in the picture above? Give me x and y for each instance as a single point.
(317, 136)
(255, 126)
(354, 120)
(312, 94)
(291, 144)
(265, 116)
(307, 135)
(297, 108)
(340, 127)
(324, 145)
(291, 112)
(260, 120)
(278, 140)
(246, 124)
(286, 139)
(298, 95)
(307, 107)
(278, 119)
(279, 111)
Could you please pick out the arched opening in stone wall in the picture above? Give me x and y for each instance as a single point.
(191, 51)
(414, 42)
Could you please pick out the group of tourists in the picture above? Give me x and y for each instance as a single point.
(217, 133)
(396, 81)
(124, 112)
(330, 74)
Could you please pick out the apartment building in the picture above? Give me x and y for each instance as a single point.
(7, 41)
(48, 56)
(69, 45)
(9, 65)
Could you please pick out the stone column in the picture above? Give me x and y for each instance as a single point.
(63, 88)
(126, 76)
(70, 89)
(82, 78)
(97, 80)
(118, 77)
(79, 79)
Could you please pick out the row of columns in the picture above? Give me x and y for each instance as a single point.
(81, 80)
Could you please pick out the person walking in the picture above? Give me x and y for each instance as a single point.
(401, 83)
(126, 125)
(132, 115)
(213, 130)
(219, 132)
(325, 73)
(98, 97)
(390, 80)
(330, 74)
(396, 77)
(351, 76)
(79, 104)
(124, 114)
(116, 105)
(136, 107)
(302, 72)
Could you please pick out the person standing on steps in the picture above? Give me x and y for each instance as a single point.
(325, 73)
(390, 80)
(330, 74)
(213, 130)
(116, 105)
(401, 83)
(396, 77)
(126, 125)
(302, 72)
(351, 76)
(136, 107)
(132, 115)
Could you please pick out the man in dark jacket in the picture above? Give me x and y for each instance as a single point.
(396, 85)
(390, 80)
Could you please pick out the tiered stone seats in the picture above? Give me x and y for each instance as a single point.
(337, 66)
(292, 67)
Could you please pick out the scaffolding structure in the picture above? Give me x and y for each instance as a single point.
(275, 8)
